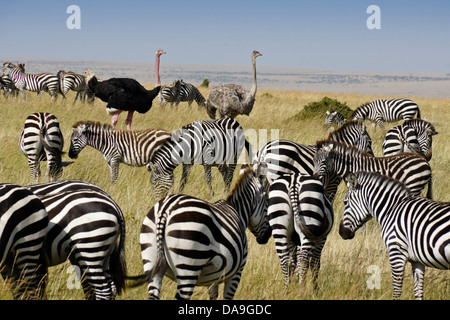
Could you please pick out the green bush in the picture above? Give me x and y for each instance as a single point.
(318, 109)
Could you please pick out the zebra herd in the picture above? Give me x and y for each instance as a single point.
(286, 192)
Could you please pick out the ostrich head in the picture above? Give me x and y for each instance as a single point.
(255, 54)
(159, 52)
(88, 75)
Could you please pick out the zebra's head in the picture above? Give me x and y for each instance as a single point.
(323, 159)
(161, 181)
(356, 211)
(334, 117)
(425, 142)
(79, 139)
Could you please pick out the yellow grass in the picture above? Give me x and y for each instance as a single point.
(345, 264)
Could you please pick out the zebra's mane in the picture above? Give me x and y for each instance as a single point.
(345, 127)
(94, 124)
(357, 110)
(342, 147)
(380, 179)
(241, 182)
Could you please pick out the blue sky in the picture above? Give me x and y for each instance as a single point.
(330, 35)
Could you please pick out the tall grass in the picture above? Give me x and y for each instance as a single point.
(344, 269)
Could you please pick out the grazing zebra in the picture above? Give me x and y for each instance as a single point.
(413, 228)
(339, 158)
(42, 140)
(134, 148)
(23, 226)
(32, 82)
(9, 89)
(284, 156)
(334, 118)
(180, 91)
(197, 243)
(300, 214)
(414, 135)
(210, 143)
(87, 227)
(76, 82)
(380, 111)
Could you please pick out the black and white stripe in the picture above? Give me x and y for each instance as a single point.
(134, 148)
(380, 111)
(7, 84)
(414, 135)
(284, 156)
(87, 227)
(334, 118)
(180, 91)
(32, 82)
(23, 226)
(42, 140)
(300, 214)
(413, 228)
(73, 81)
(197, 243)
(339, 158)
(209, 143)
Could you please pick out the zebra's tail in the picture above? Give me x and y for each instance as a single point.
(117, 264)
(60, 76)
(418, 113)
(248, 147)
(430, 189)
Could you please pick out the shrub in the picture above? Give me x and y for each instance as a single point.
(318, 109)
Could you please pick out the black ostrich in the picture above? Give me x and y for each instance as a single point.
(124, 94)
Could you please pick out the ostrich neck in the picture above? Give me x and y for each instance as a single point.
(158, 80)
(254, 86)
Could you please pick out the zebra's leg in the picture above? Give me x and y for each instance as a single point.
(231, 285)
(184, 175)
(208, 179)
(418, 273)
(397, 261)
(303, 262)
(23, 94)
(315, 262)
(186, 283)
(113, 165)
(35, 168)
(213, 291)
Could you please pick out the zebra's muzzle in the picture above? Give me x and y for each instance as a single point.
(345, 232)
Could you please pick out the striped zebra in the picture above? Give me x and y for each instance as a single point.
(300, 214)
(134, 148)
(413, 228)
(339, 158)
(380, 111)
(197, 243)
(334, 118)
(414, 135)
(86, 227)
(210, 143)
(42, 140)
(73, 81)
(9, 89)
(180, 91)
(284, 156)
(23, 226)
(32, 82)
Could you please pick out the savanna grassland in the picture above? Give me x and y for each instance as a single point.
(344, 270)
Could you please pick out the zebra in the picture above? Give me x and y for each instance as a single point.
(339, 158)
(413, 228)
(210, 143)
(23, 226)
(9, 89)
(87, 227)
(134, 148)
(76, 82)
(334, 118)
(414, 135)
(197, 243)
(32, 82)
(41, 140)
(299, 214)
(180, 91)
(380, 111)
(284, 156)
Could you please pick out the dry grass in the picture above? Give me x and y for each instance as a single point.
(344, 263)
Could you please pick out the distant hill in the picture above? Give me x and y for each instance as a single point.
(435, 85)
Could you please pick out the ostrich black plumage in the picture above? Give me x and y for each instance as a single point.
(125, 94)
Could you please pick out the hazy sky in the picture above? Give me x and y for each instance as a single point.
(331, 35)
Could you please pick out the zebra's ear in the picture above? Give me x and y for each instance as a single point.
(261, 172)
(328, 112)
(431, 132)
(351, 180)
(328, 147)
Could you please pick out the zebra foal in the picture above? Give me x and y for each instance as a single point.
(77, 82)
(299, 214)
(86, 227)
(42, 140)
(132, 147)
(23, 226)
(197, 243)
(180, 91)
(380, 111)
(413, 228)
